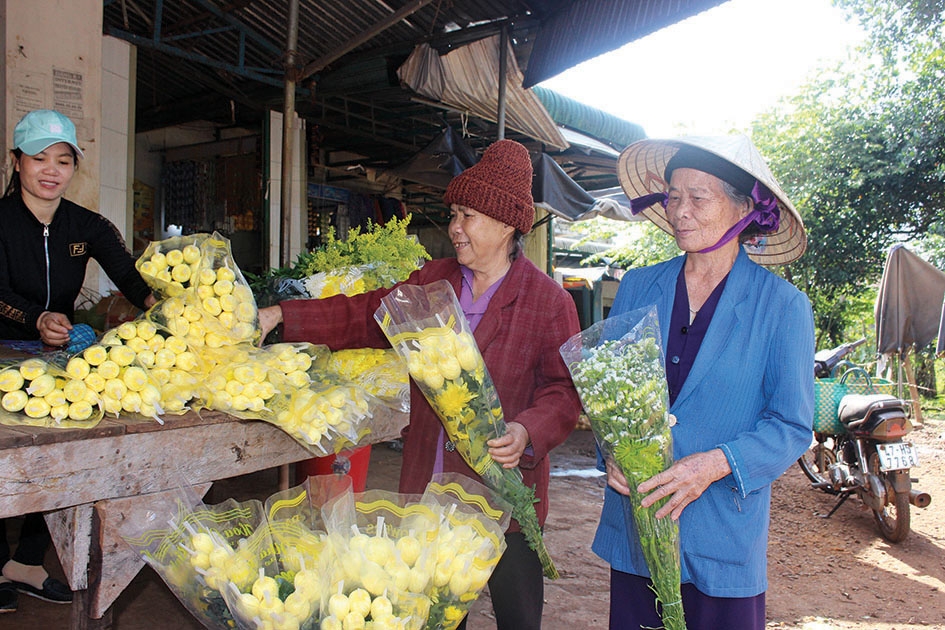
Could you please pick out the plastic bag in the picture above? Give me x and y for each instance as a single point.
(618, 369)
(199, 549)
(427, 327)
(212, 303)
(37, 392)
(380, 371)
(429, 555)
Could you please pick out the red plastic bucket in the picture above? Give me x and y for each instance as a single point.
(352, 463)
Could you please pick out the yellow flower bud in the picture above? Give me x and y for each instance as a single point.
(191, 254)
(32, 368)
(174, 257)
(11, 380)
(14, 401)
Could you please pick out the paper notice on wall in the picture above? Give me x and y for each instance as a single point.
(67, 93)
(29, 93)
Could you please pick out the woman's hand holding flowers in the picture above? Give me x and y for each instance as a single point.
(508, 449)
(269, 318)
(683, 482)
(616, 478)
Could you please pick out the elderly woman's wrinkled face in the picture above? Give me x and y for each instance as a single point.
(480, 241)
(699, 210)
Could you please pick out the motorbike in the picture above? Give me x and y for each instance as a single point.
(863, 452)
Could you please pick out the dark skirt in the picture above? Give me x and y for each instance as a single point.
(633, 606)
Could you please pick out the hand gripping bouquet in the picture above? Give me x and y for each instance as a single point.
(618, 370)
(427, 327)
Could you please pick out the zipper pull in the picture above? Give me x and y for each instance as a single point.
(45, 230)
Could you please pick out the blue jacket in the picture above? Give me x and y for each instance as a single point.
(750, 393)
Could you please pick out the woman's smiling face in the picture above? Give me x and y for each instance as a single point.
(699, 209)
(46, 175)
(480, 241)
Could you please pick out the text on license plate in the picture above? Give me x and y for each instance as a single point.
(897, 456)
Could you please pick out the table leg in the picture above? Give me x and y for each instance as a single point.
(81, 608)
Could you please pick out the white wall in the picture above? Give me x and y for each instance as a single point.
(298, 201)
(116, 157)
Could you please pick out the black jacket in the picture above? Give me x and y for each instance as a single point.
(31, 282)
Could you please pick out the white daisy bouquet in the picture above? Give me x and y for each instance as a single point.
(617, 367)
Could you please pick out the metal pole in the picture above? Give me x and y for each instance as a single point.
(288, 118)
(285, 201)
(503, 71)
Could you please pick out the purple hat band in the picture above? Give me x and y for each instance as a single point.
(765, 214)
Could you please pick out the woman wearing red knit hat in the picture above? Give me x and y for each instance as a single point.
(519, 316)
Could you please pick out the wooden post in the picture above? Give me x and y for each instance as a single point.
(913, 389)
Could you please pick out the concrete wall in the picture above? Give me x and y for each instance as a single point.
(47, 66)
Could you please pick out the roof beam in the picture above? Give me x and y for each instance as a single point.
(319, 64)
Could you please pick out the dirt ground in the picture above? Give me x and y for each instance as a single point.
(834, 573)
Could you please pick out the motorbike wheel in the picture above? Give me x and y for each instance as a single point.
(893, 520)
(816, 460)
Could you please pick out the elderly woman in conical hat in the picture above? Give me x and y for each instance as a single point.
(520, 317)
(739, 347)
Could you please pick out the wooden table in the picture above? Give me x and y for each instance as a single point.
(89, 481)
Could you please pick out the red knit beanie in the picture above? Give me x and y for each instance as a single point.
(499, 185)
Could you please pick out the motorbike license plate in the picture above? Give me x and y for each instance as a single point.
(897, 456)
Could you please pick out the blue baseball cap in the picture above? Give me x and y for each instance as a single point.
(42, 128)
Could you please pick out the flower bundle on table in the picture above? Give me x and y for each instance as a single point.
(617, 367)
(48, 395)
(316, 556)
(426, 326)
(195, 348)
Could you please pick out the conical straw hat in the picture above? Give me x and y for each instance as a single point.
(640, 170)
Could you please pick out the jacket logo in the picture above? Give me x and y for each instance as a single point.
(78, 249)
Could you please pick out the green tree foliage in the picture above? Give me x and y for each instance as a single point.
(861, 153)
(636, 244)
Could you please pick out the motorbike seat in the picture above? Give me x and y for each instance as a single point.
(857, 409)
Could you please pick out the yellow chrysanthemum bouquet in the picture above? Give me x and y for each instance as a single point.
(318, 556)
(427, 327)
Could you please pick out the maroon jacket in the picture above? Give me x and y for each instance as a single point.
(528, 319)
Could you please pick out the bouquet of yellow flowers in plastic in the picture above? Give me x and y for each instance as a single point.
(426, 326)
(618, 370)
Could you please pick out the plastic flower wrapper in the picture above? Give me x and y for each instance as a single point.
(426, 326)
(169, 266)
(224, 294)
(156, 371)
(283, 384)
(430, 555)
(199, 549)
(289, 586)
(36, 392)
(380, 371)
(341, 281)
(618, 369)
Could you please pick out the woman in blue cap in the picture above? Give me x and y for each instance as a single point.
(46, 242)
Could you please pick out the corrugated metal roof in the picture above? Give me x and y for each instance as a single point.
(223, 61)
